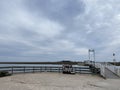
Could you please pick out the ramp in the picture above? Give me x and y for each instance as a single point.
(110, 74)
(106, 70)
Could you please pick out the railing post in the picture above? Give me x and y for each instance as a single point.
(80, 69)
(45, 68)
(50, 69)
(40, 69)
(75, 69)
(24, 69)
(12, 70)
(59, 69)
(33, 70)
(119, 71)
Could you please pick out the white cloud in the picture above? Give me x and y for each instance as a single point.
(40, 25)
(97, 26)
(81, 51)
(100, 21)
(16, 19)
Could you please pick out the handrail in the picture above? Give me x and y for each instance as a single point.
(110, 67)
(13, 69)
(104, 65)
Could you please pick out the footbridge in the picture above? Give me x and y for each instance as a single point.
(105, 69)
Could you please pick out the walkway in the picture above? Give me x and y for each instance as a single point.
(107, 70)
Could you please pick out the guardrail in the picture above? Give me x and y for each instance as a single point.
(32, 69)
(102, 66)
(113, 68)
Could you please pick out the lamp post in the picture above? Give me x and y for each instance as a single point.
(114, 60)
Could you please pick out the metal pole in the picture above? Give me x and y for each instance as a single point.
(94, 57)
(12, 69)
(89, 54)
(24, 69)
(114, 58)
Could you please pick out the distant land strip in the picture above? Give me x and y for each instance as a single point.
(61, 62)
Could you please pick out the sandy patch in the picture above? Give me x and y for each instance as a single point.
(57, 81)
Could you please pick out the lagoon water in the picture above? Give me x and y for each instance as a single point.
(56, 65)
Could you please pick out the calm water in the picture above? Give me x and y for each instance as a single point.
(4, 65)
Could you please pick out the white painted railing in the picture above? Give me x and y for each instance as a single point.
(102, 67)
(109, 66)
(113, 68)
(98, 65)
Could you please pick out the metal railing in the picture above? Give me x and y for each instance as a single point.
(112, 68)
(33, 69)
(102, 66)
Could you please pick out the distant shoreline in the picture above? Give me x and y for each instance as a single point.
(59, 62)
(73, 63)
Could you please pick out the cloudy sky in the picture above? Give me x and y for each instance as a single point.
(54, 30)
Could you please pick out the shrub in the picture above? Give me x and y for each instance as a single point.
(4, 73)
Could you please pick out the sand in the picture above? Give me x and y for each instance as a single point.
(57, 81)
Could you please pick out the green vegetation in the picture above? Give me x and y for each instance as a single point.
(4, 73)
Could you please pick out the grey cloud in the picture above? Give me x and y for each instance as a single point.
(58, 29)
(58, 10)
